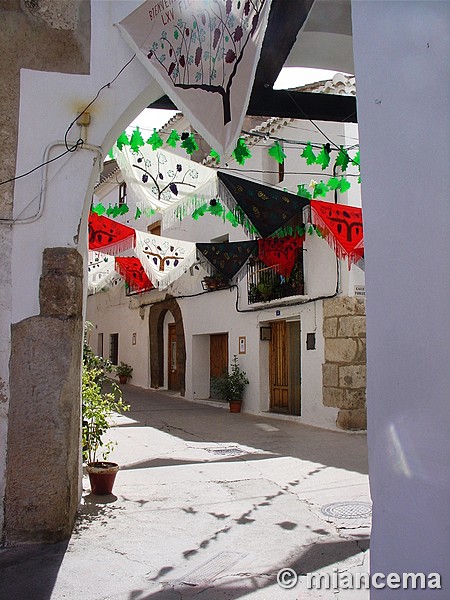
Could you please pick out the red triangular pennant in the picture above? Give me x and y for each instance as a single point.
(280, 253)
(342, 226)
(109, 236)
(131, 269)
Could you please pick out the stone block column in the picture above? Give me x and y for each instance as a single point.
(344, 369)
(43, 462)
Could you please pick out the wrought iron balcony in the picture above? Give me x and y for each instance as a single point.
(265, 284)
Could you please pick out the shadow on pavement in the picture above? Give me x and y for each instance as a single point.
(30, 572)
(317, 558)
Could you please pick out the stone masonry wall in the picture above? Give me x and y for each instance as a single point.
(344, 369)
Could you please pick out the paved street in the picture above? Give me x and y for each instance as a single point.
(208, 505)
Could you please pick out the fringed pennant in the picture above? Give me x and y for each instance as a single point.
(165, 182)
(204, 56)
(101, 271)
(131, 269)
(109, 236)
(280, 253)
(342, 226)
(266, 208)
(227, 257)
(165, 260)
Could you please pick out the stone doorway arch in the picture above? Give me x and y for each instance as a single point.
(158, 313)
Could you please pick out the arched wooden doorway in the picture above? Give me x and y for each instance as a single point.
(177, 345)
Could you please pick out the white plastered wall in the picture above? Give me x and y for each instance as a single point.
(401, 51)
(54, 200)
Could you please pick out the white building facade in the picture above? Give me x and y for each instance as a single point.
(403, 84)
(318, 365)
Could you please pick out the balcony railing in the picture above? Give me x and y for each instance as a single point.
(265, 284)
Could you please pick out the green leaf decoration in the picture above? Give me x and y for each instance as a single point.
(300, 230)
(215, 155)
(303, 191)
(189, 144)
(276, 152)
(323, 158)
(308, 154)
(123, 140)
(333, 183)
(123, 209)
(149, 212)
(136, 141)
(137, 214)
(216, 210)
(200, 211)
(155, 140)
(173, 139)
(320, 189)
(318, 232)
(344, 185)
(355, 161)
(116, 211)
(110, 154)
(109, 211)
(342, 159)
(99, 209)
(241, 152)
(232, 219)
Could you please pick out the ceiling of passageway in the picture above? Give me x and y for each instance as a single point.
(301, 33)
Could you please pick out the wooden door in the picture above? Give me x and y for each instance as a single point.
(278, 371)
(284, 371)
(218, 358)
(172, 379)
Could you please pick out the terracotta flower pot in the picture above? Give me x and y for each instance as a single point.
(123, 378)
(102, 476)
(235, 406)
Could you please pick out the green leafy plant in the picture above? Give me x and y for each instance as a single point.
(231, 385)
(124, 369)
(98, 405)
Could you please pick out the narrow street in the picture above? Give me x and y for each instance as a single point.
(208, 505)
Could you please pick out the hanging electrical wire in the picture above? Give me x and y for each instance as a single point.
(79, 143)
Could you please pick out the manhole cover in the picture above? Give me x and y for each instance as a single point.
(225, 451)
(347, 510)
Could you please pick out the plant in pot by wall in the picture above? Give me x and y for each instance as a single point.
(231, 385)
(98, 407)
(124, 371)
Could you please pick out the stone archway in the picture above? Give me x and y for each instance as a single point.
(156, 323)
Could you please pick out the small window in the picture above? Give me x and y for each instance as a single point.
(100, 344)
(122, 194)
(114, 348)
(155, 228)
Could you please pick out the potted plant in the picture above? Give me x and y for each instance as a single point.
(215, 282)
(231, 385)
(98, 407)
(124, 372)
